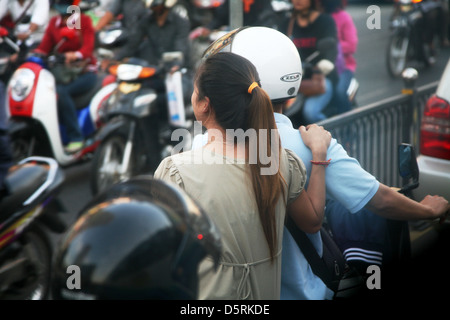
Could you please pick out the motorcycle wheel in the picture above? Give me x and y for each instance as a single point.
(38, 254)
(397, 55)
(107, 162)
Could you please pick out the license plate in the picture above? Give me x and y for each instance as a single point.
(126, 87)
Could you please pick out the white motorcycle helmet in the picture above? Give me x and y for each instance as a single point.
(274, 55)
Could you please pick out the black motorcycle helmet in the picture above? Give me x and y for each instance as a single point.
(140, 239)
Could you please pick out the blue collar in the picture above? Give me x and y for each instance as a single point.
(282, 119)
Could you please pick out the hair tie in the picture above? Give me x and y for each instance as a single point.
(252, 86)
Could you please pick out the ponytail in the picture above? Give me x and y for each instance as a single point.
(266, 187)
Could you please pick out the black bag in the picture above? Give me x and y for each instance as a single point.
(65, 74)
(331, 268)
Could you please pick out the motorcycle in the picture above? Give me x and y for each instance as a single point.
(34, 127)
(413, 35)
(367, 240)
(110, 39)
(294, 107)
(28, 211)
(135, 138)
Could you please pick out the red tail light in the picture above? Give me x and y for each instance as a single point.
(435, 129)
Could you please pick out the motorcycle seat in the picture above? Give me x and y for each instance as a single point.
(20, 184)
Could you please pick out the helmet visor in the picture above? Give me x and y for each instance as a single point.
(222, 44)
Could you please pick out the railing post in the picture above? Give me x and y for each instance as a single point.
(409, 76)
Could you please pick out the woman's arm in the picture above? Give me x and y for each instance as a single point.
(307, 210)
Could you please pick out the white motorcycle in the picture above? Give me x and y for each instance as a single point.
(34, 127)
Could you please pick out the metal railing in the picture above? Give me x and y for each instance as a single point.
(371, 134)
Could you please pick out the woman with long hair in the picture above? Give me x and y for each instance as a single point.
(244, 180)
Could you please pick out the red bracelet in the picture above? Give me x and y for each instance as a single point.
(322, 163)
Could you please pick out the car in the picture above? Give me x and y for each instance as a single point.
(434, 155)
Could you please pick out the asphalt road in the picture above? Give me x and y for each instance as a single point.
(375, 85)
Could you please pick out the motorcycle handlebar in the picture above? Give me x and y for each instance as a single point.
(11, 44)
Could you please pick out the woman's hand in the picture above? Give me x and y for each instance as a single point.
(316, 138)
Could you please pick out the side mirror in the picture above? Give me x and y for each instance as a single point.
(3, 32)
(407, 166)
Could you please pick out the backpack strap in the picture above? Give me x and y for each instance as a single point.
(17, 21)
(326, 268)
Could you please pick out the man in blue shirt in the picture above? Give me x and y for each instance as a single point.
(278, 64)
(297, 279)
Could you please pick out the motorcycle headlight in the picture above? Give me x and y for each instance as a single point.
(127, 72)
(21, 83)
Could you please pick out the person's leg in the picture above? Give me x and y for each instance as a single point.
(68, 115)
(82, 83)
(341, 97)
(314, 106)
(66, 107)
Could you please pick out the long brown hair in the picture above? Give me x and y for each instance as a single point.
(225, 79)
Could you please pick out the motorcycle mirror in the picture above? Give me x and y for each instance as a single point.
(3, 32)
(407, 162)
